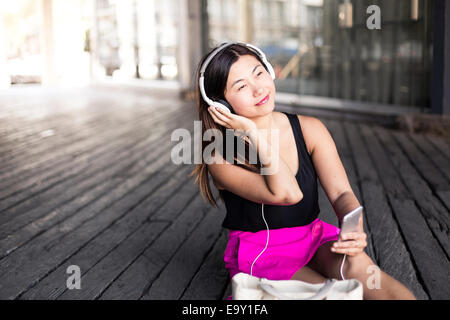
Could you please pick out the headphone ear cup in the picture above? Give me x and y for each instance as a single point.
(226, 104)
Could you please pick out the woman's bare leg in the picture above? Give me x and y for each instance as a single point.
(307, 274)
(377, 284)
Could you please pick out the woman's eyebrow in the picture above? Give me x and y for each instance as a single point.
(243, 79)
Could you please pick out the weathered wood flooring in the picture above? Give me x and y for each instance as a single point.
(86, 179)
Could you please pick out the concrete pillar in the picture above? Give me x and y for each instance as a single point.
(245, 21)
(49, 77)
(72, 62)
(190, 48)
(5, 79)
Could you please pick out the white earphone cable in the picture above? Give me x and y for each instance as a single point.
(342, 266)
(267, 241)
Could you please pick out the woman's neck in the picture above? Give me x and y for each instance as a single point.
(265, 122)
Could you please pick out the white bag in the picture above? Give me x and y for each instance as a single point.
(247, 287)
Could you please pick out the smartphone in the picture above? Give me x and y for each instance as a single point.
(351, 220)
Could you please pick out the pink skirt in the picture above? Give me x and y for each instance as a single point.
(289, 249)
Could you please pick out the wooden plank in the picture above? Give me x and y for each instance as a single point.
(433, 154)
(82, 130)
(391, 252)
(212, 278)
(431, 267)
(99, 277)
(74, 125)
(55, 245)
(445, 198)
(27, 233)
(21, 129)
(429, 257)
(440, 143)
(132, 283)
(52, 167)
(116, 109)
(69, 208)
(425, 168)
(53, 285)
(67, 126)
(90, 109)
(336, 129)
(115, 164)
(53, 155)
(48, 216)
(18, 148)
(177, 274)
(43, 167)
(433, 166)
(24, 143)
(435, 214)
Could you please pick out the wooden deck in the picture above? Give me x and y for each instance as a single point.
(86, 179)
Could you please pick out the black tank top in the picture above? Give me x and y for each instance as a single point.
(245, 215)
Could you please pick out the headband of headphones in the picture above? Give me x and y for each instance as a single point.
(223, 105)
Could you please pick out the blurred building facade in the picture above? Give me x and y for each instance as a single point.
(319, 48)
(325, 48)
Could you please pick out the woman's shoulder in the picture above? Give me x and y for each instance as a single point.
(312, 129)
(304, 120)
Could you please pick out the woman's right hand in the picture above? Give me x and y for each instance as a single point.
(230, 120)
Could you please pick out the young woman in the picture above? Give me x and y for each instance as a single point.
(300, 245)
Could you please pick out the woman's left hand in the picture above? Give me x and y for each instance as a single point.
(352, 243)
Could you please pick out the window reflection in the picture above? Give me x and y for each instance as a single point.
(324, 48)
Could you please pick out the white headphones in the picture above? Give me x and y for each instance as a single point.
(222, 103)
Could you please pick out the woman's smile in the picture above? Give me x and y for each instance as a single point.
(266, 98)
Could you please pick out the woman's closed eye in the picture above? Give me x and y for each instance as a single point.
(241, 87)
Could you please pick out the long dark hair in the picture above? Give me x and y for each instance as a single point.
(216, 75)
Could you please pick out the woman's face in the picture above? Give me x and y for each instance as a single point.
(250, 89)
